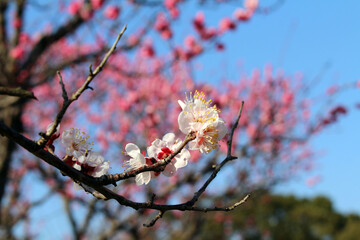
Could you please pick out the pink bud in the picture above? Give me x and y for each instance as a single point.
(112, 12)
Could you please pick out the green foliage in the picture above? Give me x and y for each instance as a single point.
(268, 216)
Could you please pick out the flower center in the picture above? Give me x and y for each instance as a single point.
(165, 152)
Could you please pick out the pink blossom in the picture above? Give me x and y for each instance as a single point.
(112, 12)
(147, 50)
(242, 14)
(174, 12)
(96, 4)
(17, 23)
(133, 40)
(199, 21)
(287, 98)
(169, 4)
(189, 41)
(18, 52)
(86, 13)
(226, 24)
(74, 7)
(251, 4)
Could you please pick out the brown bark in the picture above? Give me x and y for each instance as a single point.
(10, 114)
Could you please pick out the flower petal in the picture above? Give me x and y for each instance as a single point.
(182, 104)
(132, 150)
(143, 178)
(182, 160)
(170, 170)
(169, 137)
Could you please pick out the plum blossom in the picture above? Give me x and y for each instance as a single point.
(160, 149)
(76, 142)
(112, 12)
(92, 163)
(137, 161)
(198, 117)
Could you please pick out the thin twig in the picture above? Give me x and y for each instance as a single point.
(45, 137)
(17, 92)
(229, 143)
(152, 222)
(63, 89)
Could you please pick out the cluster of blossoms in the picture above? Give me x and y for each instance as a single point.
(197, 118)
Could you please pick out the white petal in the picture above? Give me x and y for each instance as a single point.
(101, 170)
(222, 130)
(182, 159)
(143, 178)
(182, 104)
(81, 159)
(132, 150)
(152, 151)
(169, 137)
(77, 167)
(170, 170)
(184, 123)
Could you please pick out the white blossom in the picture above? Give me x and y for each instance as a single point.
(160, 149)
(202, 119)
(92, 163)
(76, 142)
(136, 162)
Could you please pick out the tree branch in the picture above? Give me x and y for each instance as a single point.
(18, 92)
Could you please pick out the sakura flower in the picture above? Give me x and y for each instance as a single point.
(92, 163)
(160, 149)
(202, 119)
(137, 161)
(76, 142)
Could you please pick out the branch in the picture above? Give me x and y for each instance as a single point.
(157, 167)
(107, 194)
(18, 92)
(46, 41)
(67, 102)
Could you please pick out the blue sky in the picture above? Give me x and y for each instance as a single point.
(304, 36)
